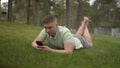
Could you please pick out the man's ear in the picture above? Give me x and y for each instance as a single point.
(57, 24)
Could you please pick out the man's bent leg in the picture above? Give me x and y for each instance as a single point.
(87, 36)
(83, 30)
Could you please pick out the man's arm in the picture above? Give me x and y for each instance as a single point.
(68, 49)
(38, 38)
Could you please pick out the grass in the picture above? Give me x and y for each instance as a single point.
(16, 51)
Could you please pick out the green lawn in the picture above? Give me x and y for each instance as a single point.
(16, 51)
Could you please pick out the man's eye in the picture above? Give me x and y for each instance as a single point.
(49, 27)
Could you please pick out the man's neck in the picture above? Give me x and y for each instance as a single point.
(55, 33)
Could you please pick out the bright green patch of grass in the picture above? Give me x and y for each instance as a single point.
(16, 51)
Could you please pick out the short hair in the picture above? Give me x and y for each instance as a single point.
(49, 19)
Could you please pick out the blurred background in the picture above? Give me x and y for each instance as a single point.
(105, 14)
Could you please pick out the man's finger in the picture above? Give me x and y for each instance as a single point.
(41, 47)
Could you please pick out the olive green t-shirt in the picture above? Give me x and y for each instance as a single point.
(63, 36)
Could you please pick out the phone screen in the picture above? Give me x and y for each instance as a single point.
(39, 43)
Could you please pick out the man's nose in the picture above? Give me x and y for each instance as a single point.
(47, 30)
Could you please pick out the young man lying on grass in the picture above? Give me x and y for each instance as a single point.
(61, 37)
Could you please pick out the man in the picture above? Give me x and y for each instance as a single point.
(61, 37)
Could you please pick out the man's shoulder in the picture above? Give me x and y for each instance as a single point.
(43, 30)
(63, 28)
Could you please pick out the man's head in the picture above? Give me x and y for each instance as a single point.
(50, 24)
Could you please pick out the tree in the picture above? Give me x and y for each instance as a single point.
(46, 5)
(0, 9)
(9, 18)
(36, 4)
(79, 14)
(0, 4)
(28, 12)
(67, 13)
(106, 12)
(19, 10)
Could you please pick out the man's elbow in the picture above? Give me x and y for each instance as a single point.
(32, 43)
(70, 52)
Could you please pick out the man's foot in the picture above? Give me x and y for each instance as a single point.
(87, 20)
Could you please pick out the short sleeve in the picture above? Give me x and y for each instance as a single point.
(43, 34)
(67, 37)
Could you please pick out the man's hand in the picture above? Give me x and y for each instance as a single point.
(44, 48)
(68, 49)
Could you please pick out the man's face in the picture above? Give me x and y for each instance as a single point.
(51, 28)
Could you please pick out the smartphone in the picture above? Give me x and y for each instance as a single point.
(39, 43)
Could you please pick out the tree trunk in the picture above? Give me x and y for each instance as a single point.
(36, 12)
(0, 4)
(28, 12)
(46, 7)
(9, 18)
(67, 14)
(79, 14)
(0, 9)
